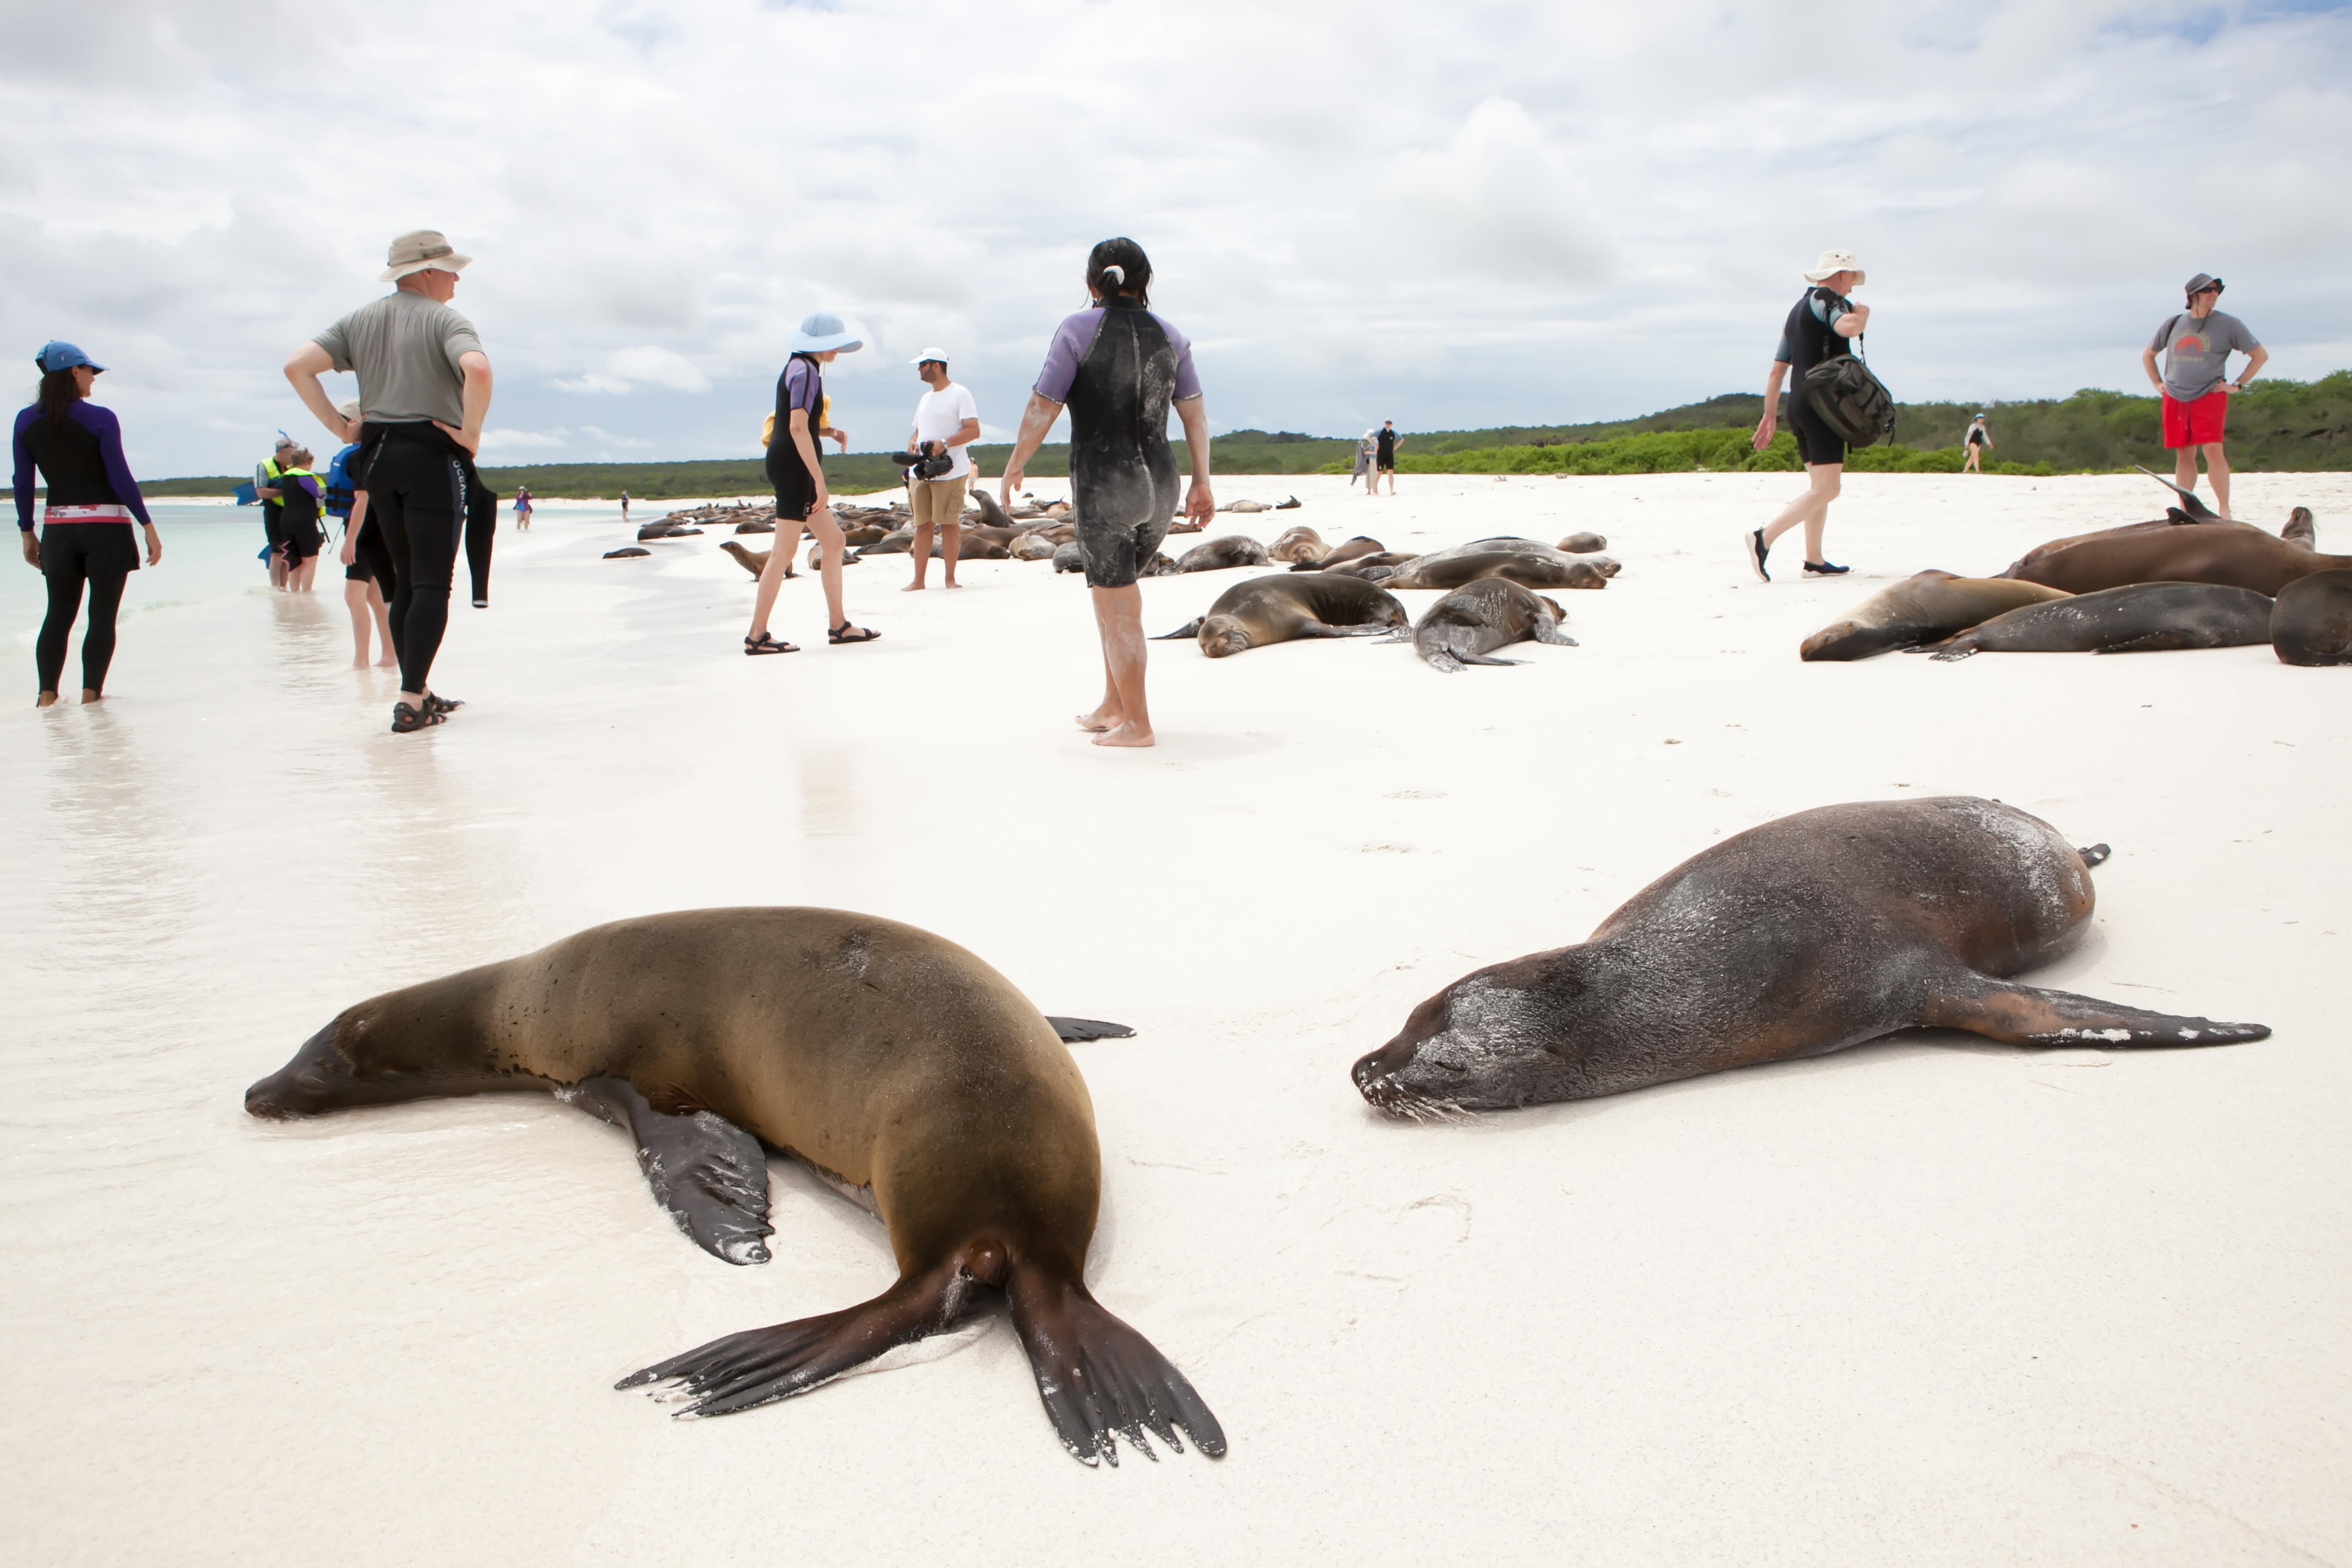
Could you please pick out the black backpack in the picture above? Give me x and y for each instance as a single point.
(1855, 405)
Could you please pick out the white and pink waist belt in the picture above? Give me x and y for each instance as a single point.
(109, 512)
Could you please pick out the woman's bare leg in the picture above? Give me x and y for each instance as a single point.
(1119, 618)
(1810, 508)
(772, 575)
(355, 599)
(827, 533)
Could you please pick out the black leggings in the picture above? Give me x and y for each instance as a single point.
(102, 555)
(416, 495)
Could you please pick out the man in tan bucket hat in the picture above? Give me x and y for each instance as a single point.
(424, 391)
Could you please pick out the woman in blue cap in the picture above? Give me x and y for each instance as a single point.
(86, 526)
(802, 500)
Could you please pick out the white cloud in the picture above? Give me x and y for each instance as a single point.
(1454, 215)
(498, 440)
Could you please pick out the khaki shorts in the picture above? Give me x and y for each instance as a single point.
(940, 501)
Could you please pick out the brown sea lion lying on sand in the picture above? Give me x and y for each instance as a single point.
(1921, 608)
(1221, 555)
(1354, 550)
(1301, 545)
(1468, 624)
(1285, 608)
(2144, 617)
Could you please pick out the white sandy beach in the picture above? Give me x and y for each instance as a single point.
(1934, 1301)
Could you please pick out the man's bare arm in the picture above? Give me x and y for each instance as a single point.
(303, 369)
(1771, 420)
(2255, 359)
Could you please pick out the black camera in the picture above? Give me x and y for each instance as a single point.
(932, 462)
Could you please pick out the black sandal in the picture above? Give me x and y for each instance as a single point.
(845, 633)
(764, 643)
(435, 703)
(407, 721)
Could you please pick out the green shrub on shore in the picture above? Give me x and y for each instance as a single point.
(1717, 451)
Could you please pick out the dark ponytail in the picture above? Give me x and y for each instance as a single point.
(1132, 274)
(59, 392)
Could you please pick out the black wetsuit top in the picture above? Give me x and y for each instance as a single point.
(1806, 340)
(1122, 470)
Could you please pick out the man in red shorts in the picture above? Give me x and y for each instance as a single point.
(2196, 345)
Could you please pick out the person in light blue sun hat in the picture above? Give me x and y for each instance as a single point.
(801, 499)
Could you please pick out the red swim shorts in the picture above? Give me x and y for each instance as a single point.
(2197, 424)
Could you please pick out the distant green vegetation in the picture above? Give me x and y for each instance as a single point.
(2281, 426)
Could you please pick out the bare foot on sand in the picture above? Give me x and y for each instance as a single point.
(1101, 718)
(1124, 735)
(387, 662)
(917, 588)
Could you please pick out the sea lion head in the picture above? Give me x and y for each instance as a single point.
(1492, 1040)
(1224, 634)
(320, 1079)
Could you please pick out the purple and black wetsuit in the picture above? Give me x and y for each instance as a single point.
(85, 531)
(1118, 367)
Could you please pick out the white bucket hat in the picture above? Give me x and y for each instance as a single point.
(822, 330)
(420, 250)
(1833, 262)
(929, 356)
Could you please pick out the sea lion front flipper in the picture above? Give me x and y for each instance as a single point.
(710, 1174)
(2027, 1015)
(1550, 632)
(1099, 1379)
(1088, 1029)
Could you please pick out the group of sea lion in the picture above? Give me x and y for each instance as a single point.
(2189, 579)
(920, 1083)
(1345, 594)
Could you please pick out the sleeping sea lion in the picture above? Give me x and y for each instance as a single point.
(2199, 547)
(1542, 567)
(626, 552)
(1285, 609)
(1371, 568)
(1246, 506)
(900, 541)
(1582, 544)
(2301, 529)
(1301, 545)
(1469, 624)
(1158, 566)
(1924, 607)
(902, 1069)
(2146, 617)
(1221, 555)
(2313, 622)
(1808, 934)
(757, 525)
(1034, 546)
(1069, 557)
(1355, 548)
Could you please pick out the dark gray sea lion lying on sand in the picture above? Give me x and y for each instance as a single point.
(2145, 617)
(626, 552)
(1069, 557)
(2313, 622)
(1220, 554)
(1469, 624)
(1354, 550)
(1802, 937)
(1521, 559)
(1582, 543)
(902, 1069)
(1285, 608)
(1925, 607)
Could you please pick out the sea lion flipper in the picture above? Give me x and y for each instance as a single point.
(710, 1174)
(1191, 628)
(1099, 1379)
(2028, 1015)
(760, 1366)
(1550, 632)
(1088, 1029)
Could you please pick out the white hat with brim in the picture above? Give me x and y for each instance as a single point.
(421, 251)
(933, 355)
(1833, 262)
(822, 332)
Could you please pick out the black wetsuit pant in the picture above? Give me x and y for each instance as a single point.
(102, 554)
(418, 488)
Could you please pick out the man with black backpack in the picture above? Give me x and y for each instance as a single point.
(1821, 326)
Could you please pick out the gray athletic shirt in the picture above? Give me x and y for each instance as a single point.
(2197, 354)
(405, 347)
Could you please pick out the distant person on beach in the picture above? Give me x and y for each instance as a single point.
(425, 385)
(364, 571)
(1977, 443)
(625, 505)
(946, 420)
(1116, 366)
(299, 496)
(86, 518)
(1363, 462)
(1384, 445)
(273, 511)
(522, 507)
(798, 474)
(1820, 326)
(2195, 385)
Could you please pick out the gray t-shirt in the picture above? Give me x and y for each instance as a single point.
(405, 347)
(2197, 354)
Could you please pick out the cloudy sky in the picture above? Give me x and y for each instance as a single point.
(1453, 215)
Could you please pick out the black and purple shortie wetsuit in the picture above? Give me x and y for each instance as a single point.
(85, 531)
(1119, 368)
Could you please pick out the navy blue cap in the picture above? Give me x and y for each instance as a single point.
(56, 356)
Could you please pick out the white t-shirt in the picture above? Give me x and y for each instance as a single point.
(940, 414)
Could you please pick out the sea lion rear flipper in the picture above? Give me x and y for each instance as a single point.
(1191, 628)
(1550, 632)
(1099, 1379)
(2198, 510)
(2027, 1015)
(710, 1174)
(1088, 1029)
(1485, 658)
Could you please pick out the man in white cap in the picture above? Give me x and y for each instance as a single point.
(2195, 385)
(425, 390)
(1820, 326)
(946, 420)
